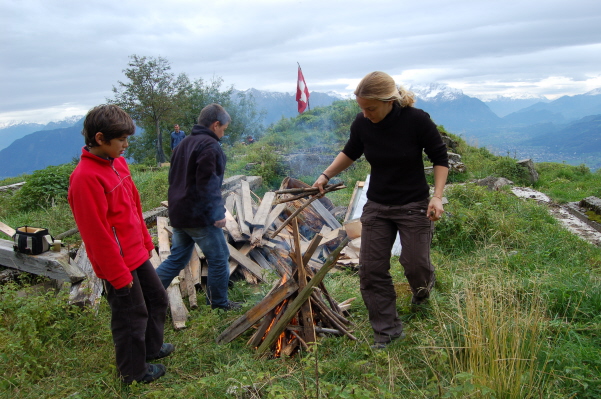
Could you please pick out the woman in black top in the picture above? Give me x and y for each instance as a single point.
(392, 135)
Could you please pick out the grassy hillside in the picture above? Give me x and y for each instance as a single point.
(516, 311)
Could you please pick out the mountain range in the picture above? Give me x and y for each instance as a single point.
(567, 129)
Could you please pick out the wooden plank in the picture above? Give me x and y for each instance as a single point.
(246, 262)
(306, 315)
(273, 215)
(302, 296)
(88, 291)
(326, 215)
(230, 203)
(51, 264)
(179, 313)
(190, 287)
(262, 214)
(12, 187)
(247, 203)
(353, 202)
(6, 229)
(257, 312)
(151, 215)
(313, 245)
(258, 257)
(244, 229)
(232, 227)
(195, 269)
(163, 237)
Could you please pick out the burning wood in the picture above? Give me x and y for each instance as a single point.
(294, 312)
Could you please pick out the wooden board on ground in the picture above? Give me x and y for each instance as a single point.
(88, 291)
(179, 313)
(50, 264)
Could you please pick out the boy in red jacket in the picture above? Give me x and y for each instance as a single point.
(107, 210)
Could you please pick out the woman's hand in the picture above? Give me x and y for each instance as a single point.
(435, 209)
(320, 182)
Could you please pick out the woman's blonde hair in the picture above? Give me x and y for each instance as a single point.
(381, 86)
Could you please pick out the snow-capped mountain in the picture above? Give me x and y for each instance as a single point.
(14, 130)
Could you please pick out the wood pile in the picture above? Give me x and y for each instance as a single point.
(260, 237)
(266, 238)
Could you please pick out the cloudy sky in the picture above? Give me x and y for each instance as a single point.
(61, 57)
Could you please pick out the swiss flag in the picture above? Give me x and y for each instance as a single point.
(302, 92)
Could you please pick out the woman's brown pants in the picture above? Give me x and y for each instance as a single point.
(380, 224)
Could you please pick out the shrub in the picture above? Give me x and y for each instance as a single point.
(44, 188)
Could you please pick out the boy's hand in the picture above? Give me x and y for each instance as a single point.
(220, 223)
(130, 284)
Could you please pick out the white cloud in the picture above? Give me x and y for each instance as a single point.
(59, 52)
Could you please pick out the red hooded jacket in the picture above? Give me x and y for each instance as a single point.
(106, 206)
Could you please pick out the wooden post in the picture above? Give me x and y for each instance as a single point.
(305, 309)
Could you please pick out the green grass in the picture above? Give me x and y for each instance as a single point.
(516, 311)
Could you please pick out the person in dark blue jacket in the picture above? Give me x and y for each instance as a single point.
(196, 208)
(177, 136)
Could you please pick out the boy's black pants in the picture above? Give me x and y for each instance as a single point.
(138, 321)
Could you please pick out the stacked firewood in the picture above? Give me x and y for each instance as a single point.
(260, 239)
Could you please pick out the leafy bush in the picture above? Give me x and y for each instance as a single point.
(44, 188)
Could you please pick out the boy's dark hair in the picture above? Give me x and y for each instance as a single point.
(109, 119)
(212, 113)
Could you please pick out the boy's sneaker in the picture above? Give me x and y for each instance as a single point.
(383, 345)
(166, 350)
(155, 371)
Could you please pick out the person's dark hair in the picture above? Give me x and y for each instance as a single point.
(381, 86)
(109, 119)
(212, 113)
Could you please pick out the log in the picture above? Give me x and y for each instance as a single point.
(88, 291)
(302, 296)
(51, 264)
(257, 312)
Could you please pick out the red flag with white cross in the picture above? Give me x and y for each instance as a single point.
(302, 92)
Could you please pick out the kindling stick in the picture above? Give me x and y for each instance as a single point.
(303, 206)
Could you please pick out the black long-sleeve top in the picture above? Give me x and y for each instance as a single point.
(195, 179)
(393, 147)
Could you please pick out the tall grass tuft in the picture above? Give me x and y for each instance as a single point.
(490, 342)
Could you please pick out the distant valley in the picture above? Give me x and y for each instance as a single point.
(564, 130)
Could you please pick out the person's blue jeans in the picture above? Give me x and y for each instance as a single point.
(212, 242)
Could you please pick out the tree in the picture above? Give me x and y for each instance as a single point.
(151, 95)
